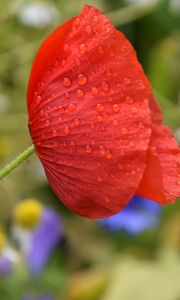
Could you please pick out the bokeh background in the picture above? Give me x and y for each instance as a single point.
(46, 252)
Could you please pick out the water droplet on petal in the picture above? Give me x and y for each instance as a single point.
(95, 18)
(48, 123)
(76, 122)
(133, 172)
(99, 178)
(80, 93)
(115, 122)
(66, 47)
(116, 108)
(94, 91)
(99, 107)
(82, 79)
(131, 144)
(105, 86)
(141, 125)
(108, 29)
(61, 109)
(100, 50)
(99, 118)
(108, 154)
(55, 133)
(127, 81)
(102, 150)
(67, 82)
(178, 182)
(107, 199)
(82, 48)
(38, 100)
(72, 106)
(134, 110)
(88, 149)
(124, 130)
(67, 95)
(88, 29)
(66, 130)
(129, 100)
(92, 125)
(78, 62)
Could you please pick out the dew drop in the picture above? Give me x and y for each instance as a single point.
(127, 81)
(107, 199)
(67, 82)
(67, 95)
(78, 62)
(82, 79)
(63, 62)
(108, 29)
(99, 107)
(72, 106)
(129, 100)
(134, 110)
(80, 93)
(94, 91)
(124, 130)
(88, 29)
(100, 50)
(66, 47)
(66, 130)
(61, 109)
(55, 145)
(116, 108)
(105, 86)
(76, 122)
(178, 182)
(48, 123)
(82, 48)
(102, 150)
(88, 149)
(99, 118)
(141, 125)
(99, 178)
(131, 144)
(38, 100)
(95, 18)
(92, 126)
(115, 122)
(133, 172)
(55, 133)
(108, 154)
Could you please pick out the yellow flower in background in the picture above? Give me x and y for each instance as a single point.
(2, 239)
(28, 213)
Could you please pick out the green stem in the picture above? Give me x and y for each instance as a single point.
(16, 162)
(132, 12)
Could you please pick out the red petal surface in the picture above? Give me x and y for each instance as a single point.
(89, 116)
(161, 180)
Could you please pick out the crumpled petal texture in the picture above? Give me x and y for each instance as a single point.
(92, 117)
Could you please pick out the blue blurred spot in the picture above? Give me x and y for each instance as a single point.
(140, 214)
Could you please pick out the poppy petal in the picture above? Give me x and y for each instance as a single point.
(89, 115)
(161, 180)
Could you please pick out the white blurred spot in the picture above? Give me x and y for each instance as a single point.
(175, 6)
(38, 14)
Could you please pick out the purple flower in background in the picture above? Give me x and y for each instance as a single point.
(5, 266)
(140, 214)
(44, 239)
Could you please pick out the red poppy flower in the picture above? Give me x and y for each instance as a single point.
(95, 124)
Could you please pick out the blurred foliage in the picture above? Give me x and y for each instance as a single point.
(94, 264)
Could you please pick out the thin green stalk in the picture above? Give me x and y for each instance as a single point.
(16, 162)
(132, 12)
